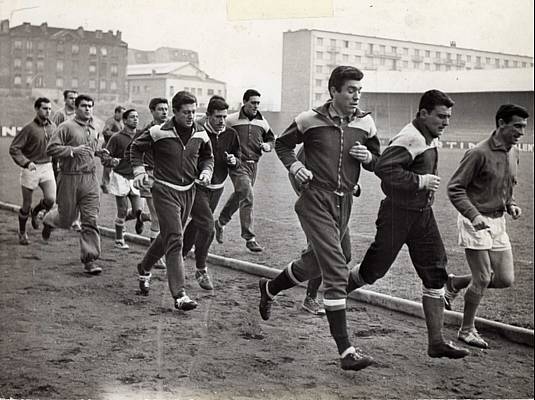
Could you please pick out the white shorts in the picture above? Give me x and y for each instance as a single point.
(494, 238)
(121, 186)
(32, 179)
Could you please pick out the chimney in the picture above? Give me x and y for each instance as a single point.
(27, 26)
(453, 44)
(4, 26)
(118, 35)
(98, 34)
(44, 28)
(80, 31)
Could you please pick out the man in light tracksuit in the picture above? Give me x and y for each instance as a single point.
(337, 139)
(75, 143)
(182, 153)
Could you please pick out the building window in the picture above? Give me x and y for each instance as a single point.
(487, 60)
(17, 44)
(93, 50)
(210, 92)
(459, 57)
(75, 49)
(497, 62)
(394, 49)
(319, 55)
(427, 66)
(506, 63)
(318, 82)
(102, 84)
(524, 65)
(345, 57)
(114, 69)
(468, 58)
(406, 51)
(416, 52)
(478, 60)
(103, 51)
(28, 81)
(199, 92)
(220, 92)
(193, 90)
(437, 54)
(515, 63)
(333, 42)
(59, 47)
(358, 45)
(29, 65)
(17, 63)
(346, 44)
(448, 56)
(92, 84)
(59, 65)
(416, 65)
(186, 89)
(40, 66)
(381, 61)
(405, 64)
(448, 67)
(17, 80)
(318, 96)
(171, 91)
(319, 69)
(382, 49)
(428, 53)
(59, 82)
(358, 59)
(113, 85)
(29, 45)
(319, 41)
(92, 68)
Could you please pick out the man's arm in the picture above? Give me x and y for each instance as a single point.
(459, 182)
(393, 168)
(15, 149)
(374, 147)
(140, 145)
(56, 146)
(206, 162)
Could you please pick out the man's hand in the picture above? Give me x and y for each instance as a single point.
(360, 152)
(430, 182)
(266, 147)
(82, 150)
(231, 159)
(31, 166)
(515, 212)
(479, 223)
(303, 175)
(204, 179)
(141, 181)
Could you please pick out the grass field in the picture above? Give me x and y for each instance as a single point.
(278, 230)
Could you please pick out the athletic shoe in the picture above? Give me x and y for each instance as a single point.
(76, 226)
(92, 269)
(35, 218)
(446, 349)
(473, 338)
(47, 230)
(139, 222)
(218, 232)
(144, 283)
(160, 264)
(253, 246)
(184, 303)
(204, 280)
(355, 360)
(265, 301)
(121, 244)
(23, 239)
(450, 294)
(313, 306)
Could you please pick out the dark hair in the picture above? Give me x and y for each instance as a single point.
(128, 112)
(216, 103)
(83, 97)
(433, 98)
(250, 93)
(119, 109)
(341, 74)
(506, 112)
(155, 101)
(66, 93)
(39, 101)
(181, 98)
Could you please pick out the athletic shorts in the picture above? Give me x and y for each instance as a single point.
(494, 238)
(32, 179)
(121, 186)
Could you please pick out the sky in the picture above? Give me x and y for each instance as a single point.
(248, 52)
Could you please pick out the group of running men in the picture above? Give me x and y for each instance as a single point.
(180, 165)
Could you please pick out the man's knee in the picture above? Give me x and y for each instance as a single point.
(501, 282)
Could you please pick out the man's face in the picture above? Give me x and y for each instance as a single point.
(437, 120)
(160, 112)
(185, 116)
(218, 119)
(84, 111)
(44, 111)
(513, 130)
(69, 100)
(132, 120)
(251, 106)
(119, 114)
(347, 99)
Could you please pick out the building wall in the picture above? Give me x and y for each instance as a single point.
(297, 60)
(162, 55)
(142, 89)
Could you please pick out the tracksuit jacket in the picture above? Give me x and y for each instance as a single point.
(226, 141)
(483, 183)
(176, 164)
(252, 133)
(119, 146)
(29, 145)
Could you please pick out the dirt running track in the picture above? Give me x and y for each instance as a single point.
(65, 335)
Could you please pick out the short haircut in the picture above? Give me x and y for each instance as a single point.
(66, 93)
(216, 103)
(155, 101)
(128, 112)
(433, 98)
(119, 109)
(341, 74)
(250, 93)
(506, 112)
(83, 97)
(181, 98)
(39, 101)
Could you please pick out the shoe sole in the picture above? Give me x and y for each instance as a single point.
(263, 282)
(365, 363)
(94, 272)
(473, 344)
(187, 307)
(453, 356)
(311, 311)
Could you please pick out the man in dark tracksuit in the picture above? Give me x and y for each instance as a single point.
(226, 148)
(337, 139)
(182, 153)
(408, 172)
(75, 143)
(28, 150)
(255, 137)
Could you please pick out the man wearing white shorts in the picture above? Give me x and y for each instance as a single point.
(28, 150)
(482, 191)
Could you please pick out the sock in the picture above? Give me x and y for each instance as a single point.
(338, 327)
(23, 217)
(280, 282)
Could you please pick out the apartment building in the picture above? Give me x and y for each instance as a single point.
(162, 55)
